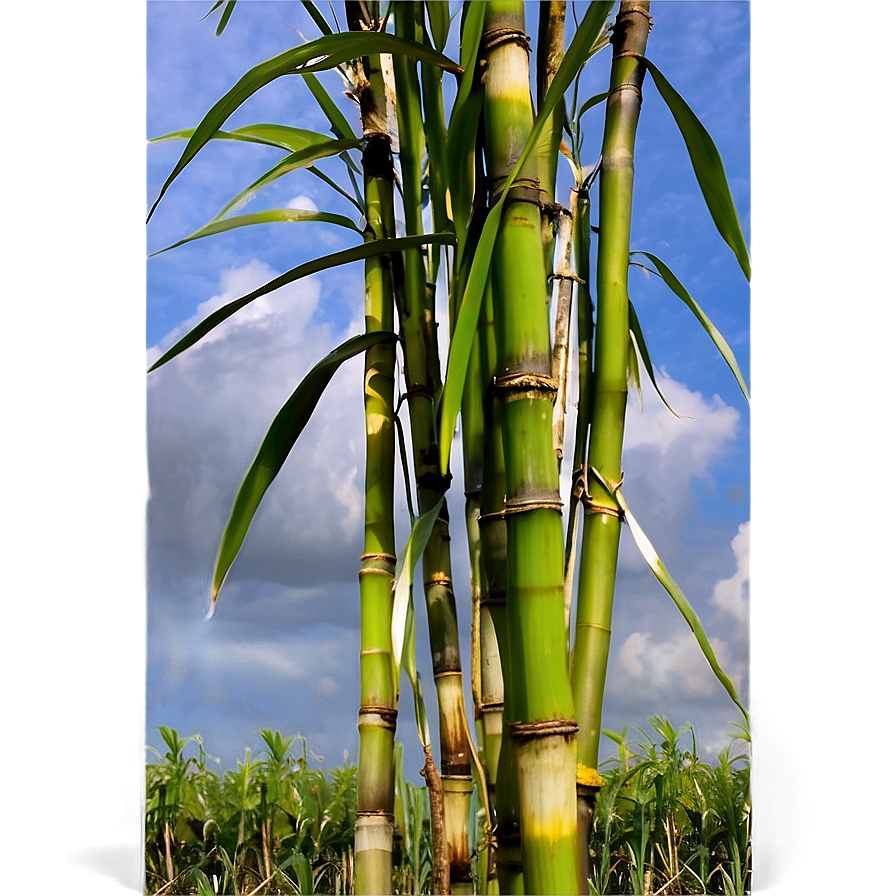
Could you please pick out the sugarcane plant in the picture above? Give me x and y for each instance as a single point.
(461, 196)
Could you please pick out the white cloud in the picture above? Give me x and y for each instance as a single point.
(302, 201)
(672, 668)
(209, 409)
(732, 594)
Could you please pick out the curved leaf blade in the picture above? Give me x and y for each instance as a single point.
(285, 429)
(367, 250)
(648, 552)
(718, 339)
(708, 168)
(639, 344)
(279, 135)
(266, 217)
(302, 158)
(320, 54)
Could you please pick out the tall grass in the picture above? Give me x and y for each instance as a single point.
(665, 821)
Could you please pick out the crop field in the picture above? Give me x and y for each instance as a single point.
(666, 820)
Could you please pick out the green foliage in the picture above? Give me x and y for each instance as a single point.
(664, 819)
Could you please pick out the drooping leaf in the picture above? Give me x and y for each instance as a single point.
(338, 122)
(590, 103)
(439, 22)
(319, 20)
(718, 339)
(280, 135)
(285, 429)
(708, 168)
(225, 17)
(317, 55)
(358, 253)
(639, 344)
(403, 641)
(648, 552)
(471, 302)
(266, 217)
(410, 556)
(295, 161)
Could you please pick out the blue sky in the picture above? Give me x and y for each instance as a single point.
(281, 650)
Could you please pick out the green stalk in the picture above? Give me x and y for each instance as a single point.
(376, 718)
(498, 702)
(422, 378)
(603, 515)
(543, 731)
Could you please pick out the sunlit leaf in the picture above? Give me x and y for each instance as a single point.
(648, 552)
(718, 340)
(367, 250)
(707, 166)
(317, 55)
(280, 135)
(639, 344)
(295, 161)
(265, 217)
(282, 435)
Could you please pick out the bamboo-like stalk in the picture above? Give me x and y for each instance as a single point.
(603, 516)
(422, 379)
(377, 715)
(544, 731)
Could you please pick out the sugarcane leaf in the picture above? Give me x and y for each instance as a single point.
(266, 217)
(439, 22)
(285, 429)
(367, 250)
(634, 368)
(338, 122)
(471, 302)
(708, 168)
(404, 577)
(590, 103)
(225, 17)
(648, 552)
(718, 339)
(302, 158)
(639, 345)
(320, 54)
(403, 636)
(280, 135)
(319, 20)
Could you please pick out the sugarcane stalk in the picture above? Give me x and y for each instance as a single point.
(377, 715)
(543, 730)
(602, 513)
(417, 329)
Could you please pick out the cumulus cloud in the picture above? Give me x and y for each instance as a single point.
(303, 202)
(732, 594)
(209, 409)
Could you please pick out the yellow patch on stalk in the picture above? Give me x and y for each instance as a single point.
(507, 76)
(547, 790)
(590, 777)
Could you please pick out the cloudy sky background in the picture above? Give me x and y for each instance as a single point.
(281, 650)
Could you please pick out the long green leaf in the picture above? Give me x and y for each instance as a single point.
(708, 167)
(280, 135)
(266, 217)
(403, 635)
(315, 14)
(367, 250)
(439, 22)
(640, 345)
(648, 552)
(225, 17)
(468, 313)
(317, 55)
(282, 435)
(718, 339)
(338, 123)
(590, 103)
(303, 158)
